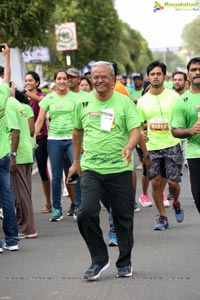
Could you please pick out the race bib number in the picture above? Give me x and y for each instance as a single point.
(107, 119)
(159, 125)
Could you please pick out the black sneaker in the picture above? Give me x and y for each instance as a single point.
(124, 271)
(70, 211)
(95, 270)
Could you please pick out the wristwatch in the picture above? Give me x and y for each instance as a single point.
(13, 154)
(146, 155)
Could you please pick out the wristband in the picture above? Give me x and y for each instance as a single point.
(13, 154)
(146, 155)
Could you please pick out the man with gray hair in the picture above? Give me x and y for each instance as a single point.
(107, 124)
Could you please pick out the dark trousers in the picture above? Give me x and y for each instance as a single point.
(119, 187)
(194, 167)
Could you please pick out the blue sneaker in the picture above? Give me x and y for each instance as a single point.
(57, 215)
(1, 246)
(178, 211)
(136, 207)
(124, 271)
(95, 270)
(162, 223)
(112, 239)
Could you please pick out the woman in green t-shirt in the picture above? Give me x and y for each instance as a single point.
(59, 105)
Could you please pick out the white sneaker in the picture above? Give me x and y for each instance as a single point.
(166, 201)
(65, 192)
(11, 248)
(1, 213)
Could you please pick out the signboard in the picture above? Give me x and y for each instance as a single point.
(37, 55)
(18, 67)
(66, 36)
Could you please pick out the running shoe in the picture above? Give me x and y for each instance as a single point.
(95, 271)
(112, 239)
(162, 223)
(70, 211)
(1, 246)
(136, 207)
(145, 200)
(1, 213)
(12, 247)
(166, 201)
(124, 271)
(57, 215)
(178, 211)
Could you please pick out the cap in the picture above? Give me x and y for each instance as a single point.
(137, 75)
(73, 72)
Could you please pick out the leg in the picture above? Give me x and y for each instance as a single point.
(56, 154)
(122, 202)
(194, 165)
(41, 155)
(157, 193)
(21, 183)
(10, 226)
(77, 188)
(88, 216)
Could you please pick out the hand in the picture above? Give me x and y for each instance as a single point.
(196, 128)
(13, 165)
(6, 50)
(127, 155)
(74, 169)
(144, 136)
(147, 162)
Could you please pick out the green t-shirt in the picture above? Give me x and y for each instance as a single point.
(157, 111)
(4, 142)
(135, 95)
(185, 115)
(30, 114)
(60, 113)
(17, 119)
(103, 149)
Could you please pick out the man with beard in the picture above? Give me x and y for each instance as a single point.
(155, 107)
(179, 79)
(186, 124)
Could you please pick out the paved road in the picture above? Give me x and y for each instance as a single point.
(166, 264)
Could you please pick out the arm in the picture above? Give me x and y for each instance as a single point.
(40, 120)
(7, 69)
(133, 141)
(146, 158)
(77, 144)
(186, 132)
(14, 146)
(31, 124)
(33, 96)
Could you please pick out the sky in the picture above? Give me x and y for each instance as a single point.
(162, 28)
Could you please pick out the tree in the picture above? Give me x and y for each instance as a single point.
(98, 28)
(171, 59)
(133, 54)
(24, 23)
(191, 37)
